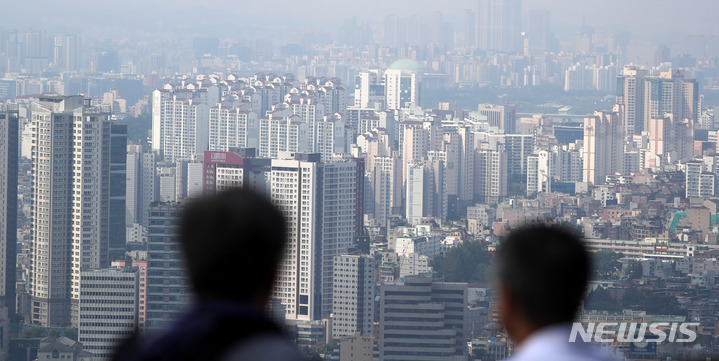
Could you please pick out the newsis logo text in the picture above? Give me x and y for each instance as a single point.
(634, 332)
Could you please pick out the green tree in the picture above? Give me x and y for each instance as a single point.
(600, 300)
(634, 299)
(634, 270)
(606, 263)
(651, 303)
(137, 128)
(35, 332)
(663, 305)
(468, 262)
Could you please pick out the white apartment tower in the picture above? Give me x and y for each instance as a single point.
(558, 164)
(311, 110)
(283, 134)
(333, 136)
(402, 83)
(330, 92)
(323, 206)
(142, 185)
(71, 213)
(353, 293)
(369, 89)
(671, 93)
(700, 183)
(386, 187)
(500, 116)
(603, 151)
(490, 175)
(180, 124)
(647, 97)
(425, 191)
(232, 127)
(671, 139)
(463, 142)
(418, 192)
(414, 145)
(630, 94)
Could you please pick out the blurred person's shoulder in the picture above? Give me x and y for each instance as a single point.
(553, 343)
(267, 347)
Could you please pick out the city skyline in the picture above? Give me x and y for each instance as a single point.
(402, 144)
(567, 16)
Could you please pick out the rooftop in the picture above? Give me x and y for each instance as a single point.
(406, 64)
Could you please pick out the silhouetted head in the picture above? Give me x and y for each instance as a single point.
(543, 274)
(233, 242)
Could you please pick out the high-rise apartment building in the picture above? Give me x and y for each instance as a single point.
(323, 206)
(401, 82)
(470, 28)
(9, 117)
(76, 175)
(232, 127)
(518, 148)
(180, 121)
(353, 294)
(369, 89)
(310, 110)
(418, 192)
(223, 170)
(118, 191)
(423, 320)
(142, 185)
(355, 118)
(425, 191)
(168, 292)
(647, 97)
(499, 25)
(558, 164)
(386, 186)
(503, 117)
(603, 151)
(284, 134)
(671, 93)
(188, 180)
(539, 35)
(630, 94)
(330, 93)
(236, 169)
(332, 136)
(108, 310)
(463, 143)
(699, 181)
(414, 145)
(490, 175)
(65, 53)
(185, 128)
(671, 139)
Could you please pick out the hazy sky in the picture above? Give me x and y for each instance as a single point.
(643, 18)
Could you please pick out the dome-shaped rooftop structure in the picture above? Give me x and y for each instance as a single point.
(406, 64)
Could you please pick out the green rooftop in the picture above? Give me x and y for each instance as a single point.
(406, 64)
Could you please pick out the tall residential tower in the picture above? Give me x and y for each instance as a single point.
(75, 175)
(8, 204)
